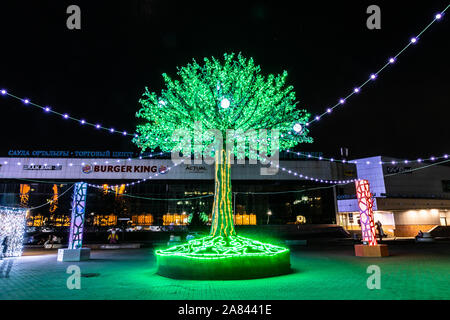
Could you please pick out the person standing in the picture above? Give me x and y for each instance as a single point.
(380, 230)
(113, 237)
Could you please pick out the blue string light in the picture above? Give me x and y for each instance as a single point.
(225, 102)
(373, 76)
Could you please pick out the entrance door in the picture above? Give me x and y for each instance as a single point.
(443, 221)
(343, 220)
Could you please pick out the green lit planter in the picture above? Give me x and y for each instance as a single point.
(223, 258)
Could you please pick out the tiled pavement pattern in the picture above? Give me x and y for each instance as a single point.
(412, 272)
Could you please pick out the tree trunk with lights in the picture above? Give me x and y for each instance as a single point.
(222, 213)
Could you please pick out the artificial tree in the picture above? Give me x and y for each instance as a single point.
(222, 95)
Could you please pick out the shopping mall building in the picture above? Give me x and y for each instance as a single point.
(170, 196)
(404, 202)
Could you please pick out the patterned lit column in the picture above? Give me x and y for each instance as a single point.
(12, 228)
(78, 210)
(75, 252)
(365, 203)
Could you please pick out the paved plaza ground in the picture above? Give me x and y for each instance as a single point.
(413, 271)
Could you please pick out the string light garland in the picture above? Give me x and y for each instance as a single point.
(50, 201)
(298, 174)
(374, 76)
(145, 179)
(150, 198)
(279, 192)
(225, 102)
(65, 116)
(283, 169)
(400, 161)
(141, 157)
(306, 177)
(416, 169)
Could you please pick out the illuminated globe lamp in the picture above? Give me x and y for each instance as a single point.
(225, 103)
(298, 127)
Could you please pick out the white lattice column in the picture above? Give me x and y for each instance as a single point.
(75, 250)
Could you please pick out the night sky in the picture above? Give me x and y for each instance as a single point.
(99, 72)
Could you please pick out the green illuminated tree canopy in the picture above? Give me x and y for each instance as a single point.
(221, 95)
(228, 94)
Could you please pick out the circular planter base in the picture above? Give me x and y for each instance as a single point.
(223, 258)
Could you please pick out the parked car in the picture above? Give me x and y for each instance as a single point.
(131, 229)
(194, 235)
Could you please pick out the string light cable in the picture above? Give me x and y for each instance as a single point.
(374, 76)
(66, 116)
(277, 192)
(109, 161)
(308, 156)
(248, 193)
(151, 198)
(415, 169)
(297, 127)
(405, 161)
(48, 201)
(283, 169)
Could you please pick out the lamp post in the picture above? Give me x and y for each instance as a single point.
(269, 213)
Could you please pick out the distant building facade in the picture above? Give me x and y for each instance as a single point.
(406, 200)
(165, 199)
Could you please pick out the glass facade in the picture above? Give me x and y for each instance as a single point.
(166, 202)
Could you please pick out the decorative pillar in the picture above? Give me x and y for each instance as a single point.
(75, 252)
(365, 203)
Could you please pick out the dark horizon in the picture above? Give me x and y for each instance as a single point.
(99, 72)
